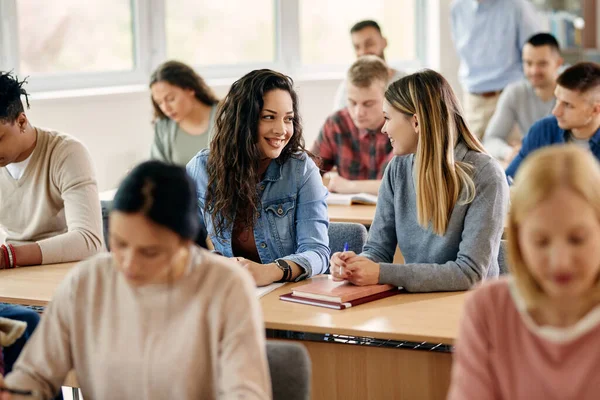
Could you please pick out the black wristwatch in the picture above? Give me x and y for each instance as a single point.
(285, 267)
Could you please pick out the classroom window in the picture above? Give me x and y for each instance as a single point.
(74, 36)
(208, 32)
(325, 29)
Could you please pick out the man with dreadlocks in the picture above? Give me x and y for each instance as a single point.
(49, 206)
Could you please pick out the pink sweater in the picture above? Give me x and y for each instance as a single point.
(502, 354)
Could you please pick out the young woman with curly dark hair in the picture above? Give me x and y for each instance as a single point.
(260, 194)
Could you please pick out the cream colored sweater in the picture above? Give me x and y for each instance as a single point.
(201, 337)
(55, 203)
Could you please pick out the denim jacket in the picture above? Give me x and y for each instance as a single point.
(292, 221)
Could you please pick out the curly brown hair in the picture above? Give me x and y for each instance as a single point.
(183, 76)
(234, 157)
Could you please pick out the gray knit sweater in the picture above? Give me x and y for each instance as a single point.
(464, 255)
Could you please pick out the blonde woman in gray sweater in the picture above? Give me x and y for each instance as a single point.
(442, 200)
(159, 318)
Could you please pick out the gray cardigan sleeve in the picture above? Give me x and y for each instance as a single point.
(500, 127)
(481, 234)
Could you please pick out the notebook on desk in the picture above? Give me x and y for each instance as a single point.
(338, 295)
(348, 199)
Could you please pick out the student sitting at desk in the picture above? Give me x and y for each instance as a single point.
(442, 201)
(49, 205)
(260, 194)
(367, 39)
(525, 101)
(576, 115)
(159, 318)
(184, 113)
(534, 334)
(351, 138)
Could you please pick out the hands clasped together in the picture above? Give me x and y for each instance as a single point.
(358, 270)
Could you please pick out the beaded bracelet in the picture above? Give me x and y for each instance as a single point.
(14, 255)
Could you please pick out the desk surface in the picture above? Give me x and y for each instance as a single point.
(428, 317)
(359, 213)
(33, 286)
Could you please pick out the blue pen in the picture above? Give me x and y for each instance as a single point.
(345, 249)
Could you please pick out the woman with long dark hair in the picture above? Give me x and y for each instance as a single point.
(260, 194)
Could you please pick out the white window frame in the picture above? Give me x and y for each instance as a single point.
(150, 50)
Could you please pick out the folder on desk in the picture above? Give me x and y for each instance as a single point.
(338, 295)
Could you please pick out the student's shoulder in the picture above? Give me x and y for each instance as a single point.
(163, 126)
(198, 163)
(301, 161)
(340, 118)
(544, 129)
(485, 167)
(518, 89)
(219, 271)
(91, 274)
(62, 146)
(490, 295)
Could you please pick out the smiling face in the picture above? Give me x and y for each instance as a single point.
(541, 65)
(176, 103)
(276, 123)
(402, 129)
(559, 243)
(143, 251)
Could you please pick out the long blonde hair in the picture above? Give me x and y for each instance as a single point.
(542, 173)
(440, 177)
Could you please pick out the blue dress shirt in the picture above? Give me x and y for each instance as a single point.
(489, 36)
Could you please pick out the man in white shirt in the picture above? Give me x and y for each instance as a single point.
(366, 39)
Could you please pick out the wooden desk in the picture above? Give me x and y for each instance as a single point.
(359, 213)
(32, 286)
(340, 371)
(352, 371)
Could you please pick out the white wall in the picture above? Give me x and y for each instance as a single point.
(116, 126)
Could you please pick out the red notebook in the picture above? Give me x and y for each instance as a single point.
(338, 295)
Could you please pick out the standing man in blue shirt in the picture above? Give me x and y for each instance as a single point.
(575, 117)
(489, 36)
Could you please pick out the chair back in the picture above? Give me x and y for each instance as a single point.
(290, 368)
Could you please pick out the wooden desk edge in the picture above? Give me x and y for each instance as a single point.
(403, 337)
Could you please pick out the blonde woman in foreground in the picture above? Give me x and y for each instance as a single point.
(535, 334)
(442, 200)
(159, 317)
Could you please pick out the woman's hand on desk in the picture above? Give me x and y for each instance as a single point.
(337, 265)
(337, 184)
(358, 270)
(263, 274)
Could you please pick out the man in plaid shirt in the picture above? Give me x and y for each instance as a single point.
(351, 138)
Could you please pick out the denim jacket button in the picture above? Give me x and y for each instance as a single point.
(263, 245)
(280, 211)
(262, 187)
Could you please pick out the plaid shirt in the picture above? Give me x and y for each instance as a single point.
(358, 154)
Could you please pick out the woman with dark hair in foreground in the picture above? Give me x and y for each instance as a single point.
(124, 320)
